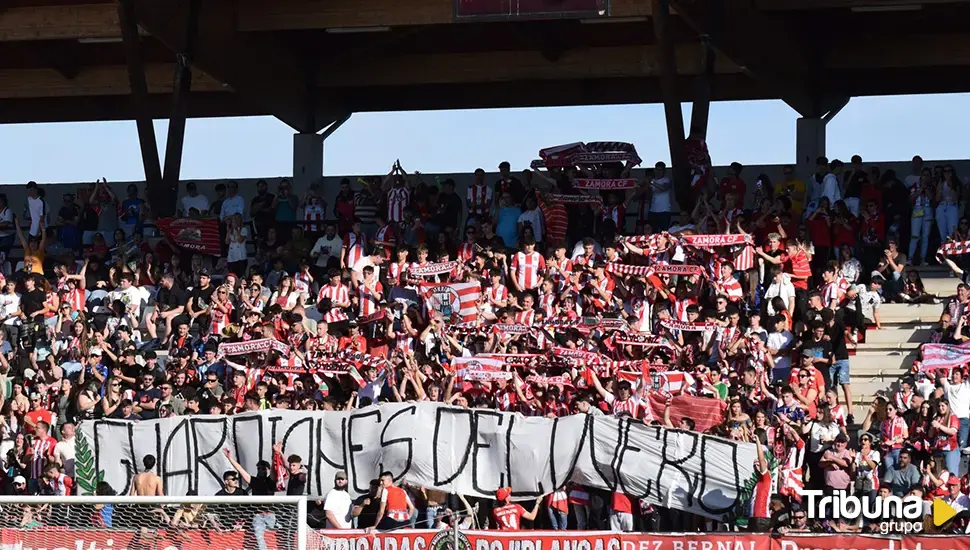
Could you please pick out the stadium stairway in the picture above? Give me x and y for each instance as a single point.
(887, 355)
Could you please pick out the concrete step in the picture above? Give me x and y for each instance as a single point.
(887, 346)
(899, 333)
(867, 361)
(910, 313)
(941, 286)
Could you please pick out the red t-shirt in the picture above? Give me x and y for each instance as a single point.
(622, 503)
(732, 185)
(841, 235)
(508, 517)
(820, 231)
(798, 266)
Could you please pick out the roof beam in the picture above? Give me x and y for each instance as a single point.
(615, 62)
(792, 5)
(93, 81)
(257, 67)
(414, 70)
(100, 20)
(59, 22)
(259, 15)
(775, 58)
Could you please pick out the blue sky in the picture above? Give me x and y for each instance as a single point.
(753, 132)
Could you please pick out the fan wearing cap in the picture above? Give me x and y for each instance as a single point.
(509, 516)
(337, 504)
(954, 497)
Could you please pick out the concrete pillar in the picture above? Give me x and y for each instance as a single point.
(307, 160)
(809, 145)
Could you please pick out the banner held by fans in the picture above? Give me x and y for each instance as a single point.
(196, 234)
(455, 302)
(435, 446)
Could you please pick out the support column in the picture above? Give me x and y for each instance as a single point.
(809, 144)
(139, 96)
(701, 109)
(182, 87)
(672, 113)
(308, 154)
(307, 160)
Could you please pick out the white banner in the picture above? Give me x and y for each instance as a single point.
(466, 451)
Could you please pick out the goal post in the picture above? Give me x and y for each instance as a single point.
(155, 523)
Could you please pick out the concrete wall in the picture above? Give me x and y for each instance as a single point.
(16, 194)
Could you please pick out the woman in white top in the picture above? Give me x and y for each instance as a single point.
(236, 238)
(865, 465)
(287, 296)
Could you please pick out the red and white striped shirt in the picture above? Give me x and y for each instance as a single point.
(76, 298)
(339, 293)
(354, 248)
(744, 258)
(596, 300)
(395, 272)
(314, 212)
(547, 304)
(496, 294)
(528, 269)
(835, 291)
(632, 406)
(63, 486)
(398, 199)
(466, 252)
(479, 197)
(368, 303)
(41, 452)
(563, 268)
(892, 429)
(220, 320)
(732, 288)
(527, 317)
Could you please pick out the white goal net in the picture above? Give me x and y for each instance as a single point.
(153, 523)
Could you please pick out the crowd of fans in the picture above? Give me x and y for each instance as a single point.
(616, 306)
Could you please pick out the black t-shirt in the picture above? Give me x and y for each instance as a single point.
(837, 339)
(32, 301)
(202, 297)
(296, 485)
(68, 212)
(95, 274)
(147, 396)
(236, 493)
(822, 348)
(170, 298)
(368, 512)
(266, 216)
(449, 210)
(262, 486)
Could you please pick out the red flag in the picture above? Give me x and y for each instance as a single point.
(195, 234)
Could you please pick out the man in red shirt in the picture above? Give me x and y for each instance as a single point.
(732, 183)
(38, 413)
(508, 516)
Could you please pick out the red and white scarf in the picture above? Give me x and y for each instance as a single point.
(428, 270)
(685, 326)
